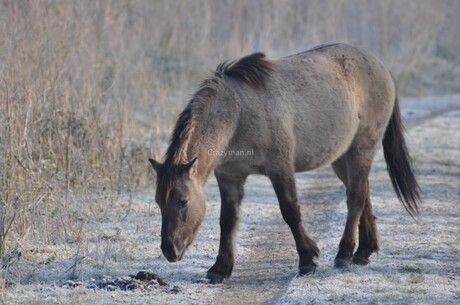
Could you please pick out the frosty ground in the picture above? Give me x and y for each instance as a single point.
(418, 263)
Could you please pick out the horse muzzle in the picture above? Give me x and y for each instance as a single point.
(171, 252)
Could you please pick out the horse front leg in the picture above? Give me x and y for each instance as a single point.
(285, 190)
(231, 192)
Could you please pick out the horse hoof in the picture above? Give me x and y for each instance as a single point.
(360, 261)
(214, 278)
(342, 264)
(306, 270)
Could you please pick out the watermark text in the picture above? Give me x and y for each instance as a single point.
(231, 153)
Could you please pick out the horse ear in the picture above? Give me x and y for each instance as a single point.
(156, 165)
(188, 166)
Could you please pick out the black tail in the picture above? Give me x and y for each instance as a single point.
(399, 163)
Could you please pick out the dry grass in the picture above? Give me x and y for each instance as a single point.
(90, 89)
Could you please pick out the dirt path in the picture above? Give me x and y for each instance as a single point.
(417, 263)
(266, 267)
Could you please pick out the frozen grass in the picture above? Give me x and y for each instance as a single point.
(416, 264)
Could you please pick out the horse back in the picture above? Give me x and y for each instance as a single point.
(313, 106)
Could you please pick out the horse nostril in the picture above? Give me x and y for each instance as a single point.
(170, 252)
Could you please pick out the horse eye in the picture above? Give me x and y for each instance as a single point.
(183, 203)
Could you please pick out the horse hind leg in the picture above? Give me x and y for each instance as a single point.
(368, 240)
(353, 169)
(340, 169)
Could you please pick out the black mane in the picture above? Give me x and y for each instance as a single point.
(176, 154)
(252, 69)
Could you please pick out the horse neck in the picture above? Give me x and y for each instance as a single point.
(212, 134)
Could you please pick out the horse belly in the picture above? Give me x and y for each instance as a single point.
(310, 158)
(324, 140)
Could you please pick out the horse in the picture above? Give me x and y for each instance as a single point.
(333, 104)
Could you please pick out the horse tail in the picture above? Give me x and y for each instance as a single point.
(399, 163)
